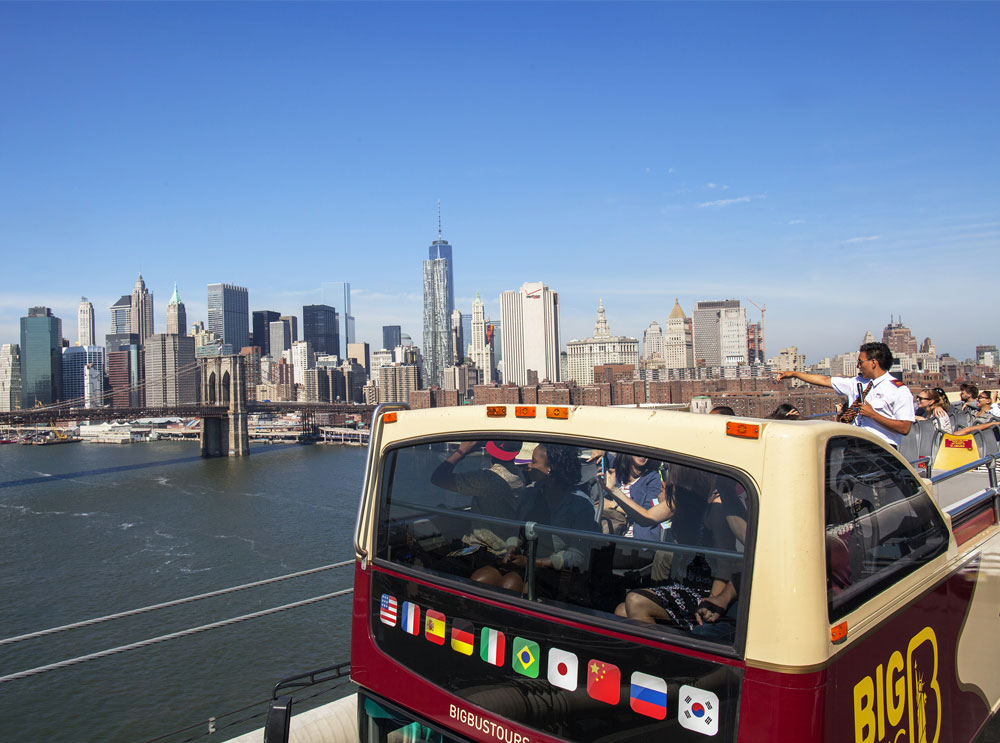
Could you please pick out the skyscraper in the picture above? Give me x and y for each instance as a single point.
(391, 336)
(41, 357)
(262, 320)
(75, 362)
(530, 340)
(321, 328)
(85, 332)
(171, 373)
(481, 352)
(348, 317)
(293, 326)
(176, 315)
(458, 337)
(279, 338)
(10, 377)
(141, 311)
(229, 314)
(678, 342)
(720, 333)
(121, 312)
(438, 305)
(652, 341)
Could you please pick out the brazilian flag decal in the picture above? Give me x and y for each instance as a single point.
(525, 657)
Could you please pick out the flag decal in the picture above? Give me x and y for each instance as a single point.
(604, 681)
(409, 619)
(492, 646)
(434, 626)
(562, 671)
(525, 657)
(462, 636)
(648, 695)
(387, 610)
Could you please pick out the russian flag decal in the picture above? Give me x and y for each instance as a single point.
(648, 695)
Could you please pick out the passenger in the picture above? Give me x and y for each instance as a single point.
(493, 491)
(552, 500)
(969, 395)
(934, 406)
(878, 402)
(984, 417)
(722, 410)
(698, 515)
(638, 479)
(786, 412)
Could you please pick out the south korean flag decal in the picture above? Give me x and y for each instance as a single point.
(698, 710)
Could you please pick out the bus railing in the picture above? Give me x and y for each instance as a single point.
(958, 511)
(374, 440)
(533, 531)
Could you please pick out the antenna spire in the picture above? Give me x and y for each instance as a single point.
(439, 219)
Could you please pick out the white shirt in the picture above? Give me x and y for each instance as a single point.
(888, 397)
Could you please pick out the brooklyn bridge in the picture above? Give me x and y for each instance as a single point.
(223, 407)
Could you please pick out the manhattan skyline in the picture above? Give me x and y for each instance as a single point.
(808, 157)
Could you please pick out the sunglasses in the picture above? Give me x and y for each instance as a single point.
(925, 398)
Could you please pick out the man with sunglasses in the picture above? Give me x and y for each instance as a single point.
(883, 405)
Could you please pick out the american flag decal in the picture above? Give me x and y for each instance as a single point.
(387, 611)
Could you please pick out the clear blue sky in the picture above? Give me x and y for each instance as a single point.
(836, 162)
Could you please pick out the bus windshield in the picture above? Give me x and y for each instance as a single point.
(646, 539)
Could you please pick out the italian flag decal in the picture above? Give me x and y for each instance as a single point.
(492, 645)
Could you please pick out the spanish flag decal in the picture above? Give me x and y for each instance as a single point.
(434, 627)
(462, 636)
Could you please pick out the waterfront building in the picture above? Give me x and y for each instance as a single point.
(93, 387)
(652, 342)
(229, 314)
(280, 339)
(720, 333)
(396, 382)
(603, 348)
(10, 377)
(85, 331)
(391, 336)
(176, 315)
(302, 358)
(121, 312)
(382, 357)
(41, 357)
(361, 353)
(171, 371)
(320, 327)
(755, 342)
(141, 311)
(261, 330)
(74, 363)
(678, 341)
(463, 378)
(531, 338)
(480, 347)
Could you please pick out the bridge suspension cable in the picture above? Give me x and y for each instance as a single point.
(167, 604)
(171, 636)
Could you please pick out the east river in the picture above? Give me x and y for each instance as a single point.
(88, 530)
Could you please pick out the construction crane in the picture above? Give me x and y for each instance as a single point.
(763, 309)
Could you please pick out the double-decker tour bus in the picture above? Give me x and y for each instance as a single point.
(531, 574)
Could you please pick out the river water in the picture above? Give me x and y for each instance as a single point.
(88, 530)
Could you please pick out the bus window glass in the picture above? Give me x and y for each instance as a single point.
(880, 523)
(645, 540)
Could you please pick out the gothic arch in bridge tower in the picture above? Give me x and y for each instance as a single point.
(224, 393)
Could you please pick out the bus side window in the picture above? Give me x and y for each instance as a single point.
(880, 523)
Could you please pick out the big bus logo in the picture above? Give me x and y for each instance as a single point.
(899, 687)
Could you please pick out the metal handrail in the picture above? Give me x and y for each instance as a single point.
(987, 460)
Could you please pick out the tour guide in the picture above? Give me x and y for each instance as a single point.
(877, 401)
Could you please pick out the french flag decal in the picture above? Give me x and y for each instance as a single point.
(648, 695)
(409, 619)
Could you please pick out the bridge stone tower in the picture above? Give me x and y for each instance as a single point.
(224, 382)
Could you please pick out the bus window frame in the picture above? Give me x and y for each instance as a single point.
(874, 586)
(446, 733)
(639, 631)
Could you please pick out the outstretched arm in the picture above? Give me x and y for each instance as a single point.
(444, 475)
(820, 380)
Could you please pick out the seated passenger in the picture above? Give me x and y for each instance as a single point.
(968, 395)
(493, 491)
(984, 417)
(552, 500)
(700, 515)
(934, 406)
(785, 412)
